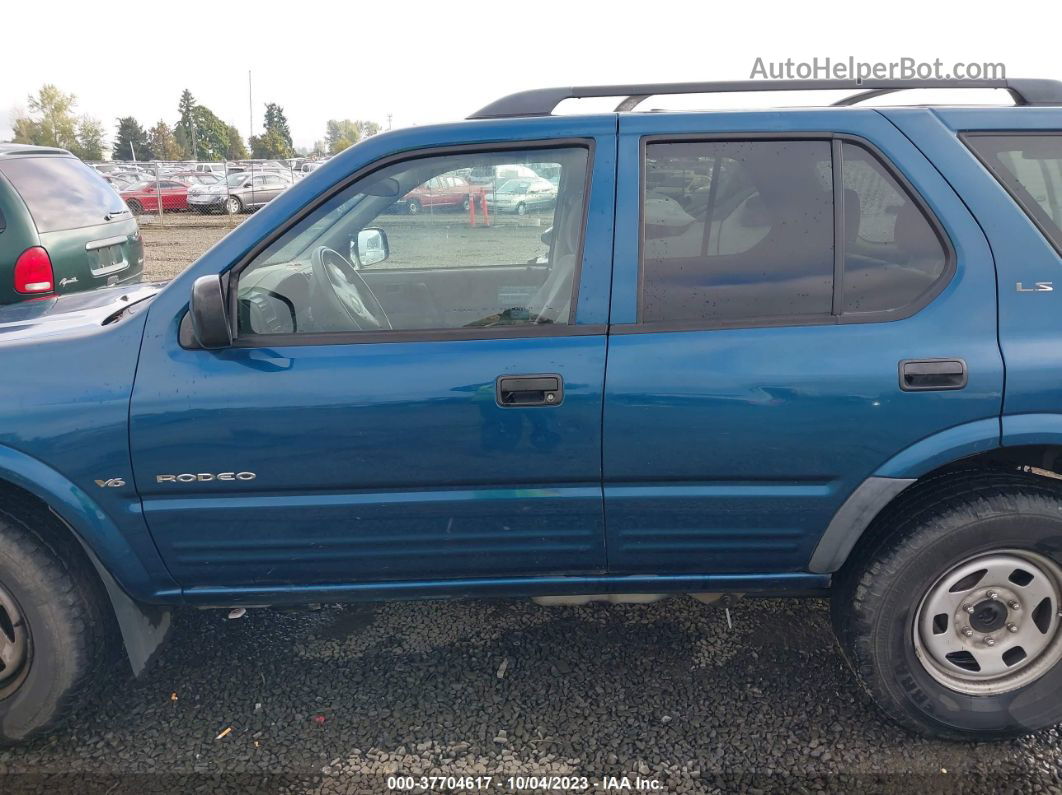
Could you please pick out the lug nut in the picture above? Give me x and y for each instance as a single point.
(968, 608)
(990, 641)
(1013, 605)
(967, 632)
(1012, 628)
(992, 595)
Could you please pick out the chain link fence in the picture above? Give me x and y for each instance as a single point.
(191, 193)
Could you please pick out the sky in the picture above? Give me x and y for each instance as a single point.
(425, 62)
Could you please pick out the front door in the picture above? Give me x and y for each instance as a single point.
(768, 287)
(409, 398)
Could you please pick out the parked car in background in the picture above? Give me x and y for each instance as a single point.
(444, 191)
(522, 195)
(210, 168)
(240, 192)
(62, 227)
(146, 196)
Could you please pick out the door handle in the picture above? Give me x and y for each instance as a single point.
(922, 375)
(529, 390)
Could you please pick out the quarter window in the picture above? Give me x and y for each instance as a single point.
(892, 255)
(1030, 168)
(378, 256)
(744, 232)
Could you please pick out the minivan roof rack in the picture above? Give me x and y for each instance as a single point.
(543, 101)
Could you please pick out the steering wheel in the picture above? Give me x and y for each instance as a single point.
(346, 292)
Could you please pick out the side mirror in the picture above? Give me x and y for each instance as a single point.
(210, 320)
(369, 247)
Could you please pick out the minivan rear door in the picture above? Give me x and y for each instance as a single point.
(88, 232)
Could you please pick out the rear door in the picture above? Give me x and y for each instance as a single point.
(89, 233)
(790, 311)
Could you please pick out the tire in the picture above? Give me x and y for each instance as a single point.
(937, 594)
(56, 607)
(233, 205)
(135, 207)
(521, 209)
(412, 207)
(466, 205)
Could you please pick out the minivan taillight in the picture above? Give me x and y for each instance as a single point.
(33, 271)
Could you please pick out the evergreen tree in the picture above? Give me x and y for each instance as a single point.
(276, 121)
(186, 132)
(131, 139)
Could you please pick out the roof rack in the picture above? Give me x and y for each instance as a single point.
(543, 101)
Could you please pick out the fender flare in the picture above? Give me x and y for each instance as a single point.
(143, 626)
(890, 479)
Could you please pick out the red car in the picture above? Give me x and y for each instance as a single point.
(441, 191)
(143, 197)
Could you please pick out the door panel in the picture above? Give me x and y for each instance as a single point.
(373, 461)
(730, 449)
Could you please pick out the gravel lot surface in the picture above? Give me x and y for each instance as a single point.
(336, 699)
(172, 246)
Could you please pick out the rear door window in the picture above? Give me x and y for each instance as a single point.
(62, 192)
(1030, 168)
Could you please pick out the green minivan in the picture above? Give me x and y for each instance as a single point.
(63, 229)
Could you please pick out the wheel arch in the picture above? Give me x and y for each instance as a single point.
(28, 488)
(955, 453)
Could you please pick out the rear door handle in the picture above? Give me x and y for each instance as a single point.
(922, 375)
(529, 390)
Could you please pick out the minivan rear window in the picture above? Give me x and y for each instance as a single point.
(1030, 168)
(62, 192)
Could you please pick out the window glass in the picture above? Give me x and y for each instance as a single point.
(377, 257)
(1030, 168)
(737, 230)
(62, 192)
(892, 254)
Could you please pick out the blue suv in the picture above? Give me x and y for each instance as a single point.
(805, 351)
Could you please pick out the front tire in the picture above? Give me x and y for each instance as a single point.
(521, 209)
(52, 629)
(413, 207)
(233, 205)
(951, 618)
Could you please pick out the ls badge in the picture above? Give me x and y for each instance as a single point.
(1038, 287)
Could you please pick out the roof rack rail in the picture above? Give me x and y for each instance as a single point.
(543, 101)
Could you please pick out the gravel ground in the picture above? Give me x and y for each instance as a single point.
(337, 699)
(172, 246)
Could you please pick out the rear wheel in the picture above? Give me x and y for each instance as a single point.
(135, 207)
(467, 204)
(52, 629)
(412, 207)
(952, 620)
(521, 209)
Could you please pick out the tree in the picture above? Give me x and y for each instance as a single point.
(211, 134)
(131, 140)
(341, 134)
(185, 132)
(56, 120)
(237, 149)
(270, 145)
(163, 143)
(276, 121)
(51, 122)
(91, 139)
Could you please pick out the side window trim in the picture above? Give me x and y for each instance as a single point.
(230, 277)
(836, 317)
